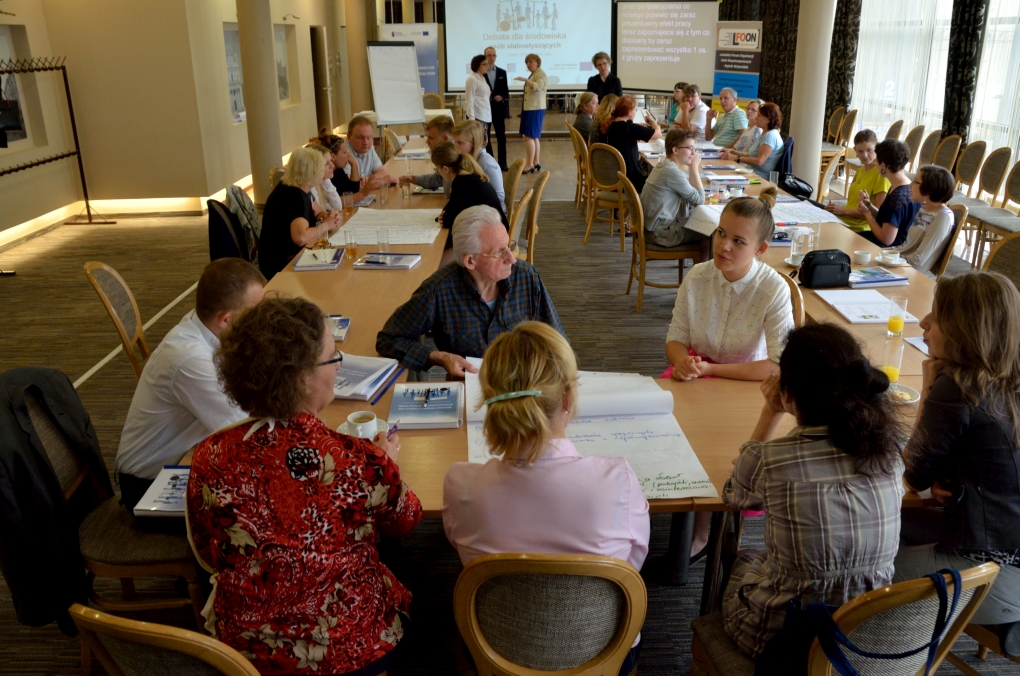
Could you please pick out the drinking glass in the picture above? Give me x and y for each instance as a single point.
(816, 235)
(892, 358)
(798, 246)
(897, 315)
(405, 190)
(348, 200)
(774, 178)
(383, 239)
(323, 229)
(351, 242)
(384, 193)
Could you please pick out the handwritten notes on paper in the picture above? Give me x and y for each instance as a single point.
(405, 226)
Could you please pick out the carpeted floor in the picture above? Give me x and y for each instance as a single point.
(53, 318)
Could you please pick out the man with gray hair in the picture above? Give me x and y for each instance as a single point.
(469, 302)
(730, 124)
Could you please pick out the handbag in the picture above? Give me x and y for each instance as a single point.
(795, 186)
(786, 653)
(825, 269)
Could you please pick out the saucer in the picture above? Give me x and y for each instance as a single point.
(915, 396)
(380, 426)
(789, 261)
(893, 265)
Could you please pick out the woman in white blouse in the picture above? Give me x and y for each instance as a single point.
(750, 135)
(476, 93)
(469, 137)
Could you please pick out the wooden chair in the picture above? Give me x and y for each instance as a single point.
(946, 152)
(275, 174)
(515, 222)
(997, 222)
(1004, 258)
(895, 129)
(959, 219)
(913, 141)
(605, 163)
(390, 146)
(993, 173)
(531, 614)
(826, 177)
(125, 647)
(120, 303)
(928, 148)
(528, 250)
(797, 298)
(892, 619)
(987, 640)
(113, 543)
(433, 101)
(580, 159)
(513, 179)
(642, 251)
(969, 164)
(846, 130)
(833, 127)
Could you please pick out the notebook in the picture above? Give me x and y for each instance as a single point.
(428, 406)
(871, 278)
(167, 494)
(360, 377)
(862, 306)
(387, 261)
(338, 326)
(319, 259)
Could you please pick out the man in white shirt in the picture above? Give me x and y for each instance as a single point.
(178, 401)
(361, 146)
(693, 111)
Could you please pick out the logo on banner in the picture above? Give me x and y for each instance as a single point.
(744, 38)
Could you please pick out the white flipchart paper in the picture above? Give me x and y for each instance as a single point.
(705, 218)
(621, 415)
(405, 226)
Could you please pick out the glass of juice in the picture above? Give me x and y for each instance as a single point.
(323, 228)
(348, 200)
(892, 358)
(351, 242)
(897, 315)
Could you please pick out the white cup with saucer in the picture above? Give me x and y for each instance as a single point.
(893, 258)
(862, 257)
(362, 424)
(737, 191)
(796, 259)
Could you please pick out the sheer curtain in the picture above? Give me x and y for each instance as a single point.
(901, 64)
(997, 97)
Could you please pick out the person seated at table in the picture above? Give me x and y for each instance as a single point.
(867, 179)
(730, 124)
(289, 220)
(324, 194)
(693, 111)
(743, 143)
(604, 112)
(587, 104)
(538, 494)
(831, 488)
(604, 83)
(929, 232)
(966, 444)
(178, 401)
(469, 186)
(342, 163)
(668, 192)
(889, 223)
(287, 513)
(673, 112)
(766, 151)
(624, 134)
(361, 146)
(469, 302)
(469, 137)
(438, 130)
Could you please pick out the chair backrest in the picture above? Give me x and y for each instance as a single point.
(835, 123)
(1012, 193)
(830, 169)
(275, 174)
(970, 163)
(536, 205)
(433, 101)
(959, 220)
(913, 141)
(1004, 258)
(901, 617)
(895, 129)
(946, 152)
(928, 148)
(513, 179)
(575, 613)
(519, 212)
(637, 214)
(390, 145)
(785, 164)
(129, 647)
(846, 129)
(123, 310)
(223, 240)
(67, 466)
(993, 172)
(797, 299)
(604, 163)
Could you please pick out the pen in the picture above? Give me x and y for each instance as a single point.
(387, 386)
(393, 429)
(428, 395)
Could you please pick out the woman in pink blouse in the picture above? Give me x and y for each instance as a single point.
(538, 495)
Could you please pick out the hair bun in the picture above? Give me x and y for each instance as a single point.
(768, 197)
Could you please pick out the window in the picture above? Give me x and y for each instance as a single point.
(901, 64)
(996, 118)
(235, 79)
(280, 49)
(9, 97)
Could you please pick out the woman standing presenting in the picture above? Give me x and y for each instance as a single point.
(533, 114)
(476, 94)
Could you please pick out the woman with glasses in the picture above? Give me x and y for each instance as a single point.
(286, 512)
(669, 190)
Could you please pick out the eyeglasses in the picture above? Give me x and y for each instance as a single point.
(511, 249)
(337, 357)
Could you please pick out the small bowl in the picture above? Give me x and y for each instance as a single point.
(862, 257)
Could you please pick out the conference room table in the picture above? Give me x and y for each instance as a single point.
(716, 415)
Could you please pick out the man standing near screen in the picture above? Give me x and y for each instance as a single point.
(603, 83)
(499, 100)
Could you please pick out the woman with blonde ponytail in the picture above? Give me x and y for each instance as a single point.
(469, 186)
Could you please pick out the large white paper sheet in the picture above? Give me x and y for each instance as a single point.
(801, 212)
(860, 306)
(405, 226)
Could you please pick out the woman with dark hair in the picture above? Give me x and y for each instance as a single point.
(286, 513)
(966, 444)
(469, 186)
(831, 488)
(624, 135)
(766, 151)
(889, 223)
(673, 112)
(476, 94)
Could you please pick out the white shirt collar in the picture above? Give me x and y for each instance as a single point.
(741, 283)
(203, 330)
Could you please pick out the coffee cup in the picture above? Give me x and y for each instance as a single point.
(362, 424)
(862, 257)
(737, 192)
(796, 258)
(892, 257)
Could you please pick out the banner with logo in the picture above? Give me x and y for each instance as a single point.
(425, 37)
(738, 57)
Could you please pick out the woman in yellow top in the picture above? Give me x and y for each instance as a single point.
(866, 180)
(533, 114)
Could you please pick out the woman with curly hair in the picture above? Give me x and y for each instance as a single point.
(286, 513)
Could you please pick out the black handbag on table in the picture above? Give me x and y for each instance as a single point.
(825, 269)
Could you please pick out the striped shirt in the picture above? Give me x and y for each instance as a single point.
(831, 532)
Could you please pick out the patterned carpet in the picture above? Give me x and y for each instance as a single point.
(53, 318)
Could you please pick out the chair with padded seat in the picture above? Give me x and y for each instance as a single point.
(530, 614)
(581, 160)
(892, 619)
(519, 213)
(605, 163)
(989, 182)
(1004, 258)
(968, 164)
(642, 250)
(826, 177)
(797, 300)
(390, 146)
(275, 175)
(846, 130)
(432, 101)
(225, 233)
(913, 141)
(513, 179)
(531, 225)
(927, 152)
(946, 152)
(120, 303)
(987, 639)
(993, 222)
(113, 542)
(959, 220)
(833, 127)
(131, 648)
(894, 131)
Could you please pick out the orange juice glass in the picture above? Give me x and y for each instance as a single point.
(892, 359)
(897, 316)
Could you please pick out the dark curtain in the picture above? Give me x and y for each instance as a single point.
(740, 10)
(842, 57)
(778, 54)
(966, 33)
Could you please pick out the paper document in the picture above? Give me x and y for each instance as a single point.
(801, 212)
(167, 494)
(621, 415)
(918, 343)
(405, 226)
(705, 218)
(865, 306)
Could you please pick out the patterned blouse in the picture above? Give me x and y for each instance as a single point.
(831, 533)
(287, 514)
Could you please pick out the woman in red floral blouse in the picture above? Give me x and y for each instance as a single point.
(287, 512)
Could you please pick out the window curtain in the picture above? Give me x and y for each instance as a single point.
(842, 57)
(996, 117)
(740, 10)
(966, 35)
(778, 54)
(902, 53)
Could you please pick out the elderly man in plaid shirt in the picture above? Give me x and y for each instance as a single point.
(466, 304)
